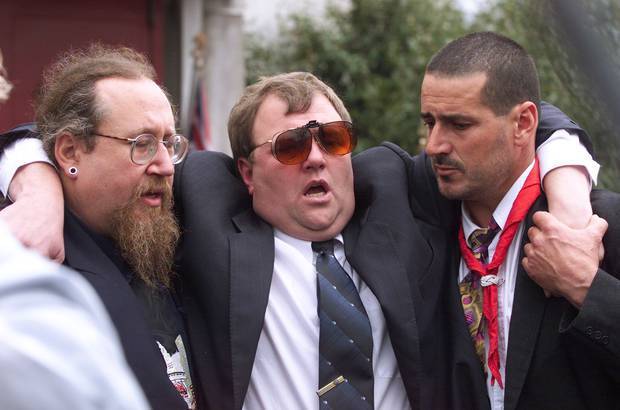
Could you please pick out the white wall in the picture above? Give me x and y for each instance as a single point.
(223, 73)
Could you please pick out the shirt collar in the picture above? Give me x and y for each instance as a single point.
(305, 247)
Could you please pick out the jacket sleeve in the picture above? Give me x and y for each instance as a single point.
(19, 132)
(597, 324)
(388, 170)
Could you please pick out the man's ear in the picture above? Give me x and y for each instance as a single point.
(244, 166)
(526, 122)
(68, 151)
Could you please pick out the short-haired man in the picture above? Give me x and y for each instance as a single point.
(110, 130)
(479, 100)
(258, 296)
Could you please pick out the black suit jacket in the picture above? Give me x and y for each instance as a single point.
(227, 257)
(558, 357)
(226, 262)
(539, 372)
(84, 255)
(398, 241)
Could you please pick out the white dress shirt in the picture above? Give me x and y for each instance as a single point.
(58, 348)
(505, 292)
(285, 374)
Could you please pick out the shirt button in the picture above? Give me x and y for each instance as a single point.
(598, 334)
(605, 340)
(589, 330)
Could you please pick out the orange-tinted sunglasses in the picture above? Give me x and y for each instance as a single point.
(293, 146)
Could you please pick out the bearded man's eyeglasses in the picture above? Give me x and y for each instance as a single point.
(144, 147)
(293, 146)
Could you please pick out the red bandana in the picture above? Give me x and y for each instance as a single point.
(488, 273)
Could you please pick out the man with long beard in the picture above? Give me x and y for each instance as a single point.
(146, 237)
(41, 305)
(110, 130)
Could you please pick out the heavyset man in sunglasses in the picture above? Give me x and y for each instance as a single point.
(317, 290)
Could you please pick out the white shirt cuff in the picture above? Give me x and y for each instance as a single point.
(564, 149)
(21, 152)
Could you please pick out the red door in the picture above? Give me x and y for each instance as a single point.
(34, 32)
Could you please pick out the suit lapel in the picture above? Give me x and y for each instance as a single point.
(83, 254)
(251, 270)
(527, 313)
(125, 310)
(374, 257)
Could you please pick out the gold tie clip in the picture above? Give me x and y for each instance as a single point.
(330, 385)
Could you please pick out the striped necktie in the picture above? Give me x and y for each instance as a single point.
(345, 342)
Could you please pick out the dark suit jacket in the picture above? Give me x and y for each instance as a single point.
(84, 255)
(227, 257)
(398, 241)
(558, 357)
(226, 262)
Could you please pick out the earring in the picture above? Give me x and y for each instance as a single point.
(73, 171)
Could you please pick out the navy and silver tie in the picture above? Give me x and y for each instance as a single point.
(345, 342)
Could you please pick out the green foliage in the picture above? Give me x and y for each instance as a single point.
(530, 22)
(374, 53)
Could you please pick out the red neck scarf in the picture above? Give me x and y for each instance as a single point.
(488, 273)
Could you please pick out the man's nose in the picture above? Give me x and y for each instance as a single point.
(316, 157)
(436, 142)
(161, 164)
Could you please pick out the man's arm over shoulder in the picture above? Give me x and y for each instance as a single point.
(20, 132)
(207, 188)
(389, 172)
(567, 167)
(37, 215)
(553, 119)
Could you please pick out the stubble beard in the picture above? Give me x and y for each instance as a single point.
(447, 184)
(477, 184)
(147, 236)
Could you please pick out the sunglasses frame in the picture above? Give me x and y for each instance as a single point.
(315, 136)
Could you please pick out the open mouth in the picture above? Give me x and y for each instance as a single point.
(153, 194)
(316, 189)
(153, 198)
